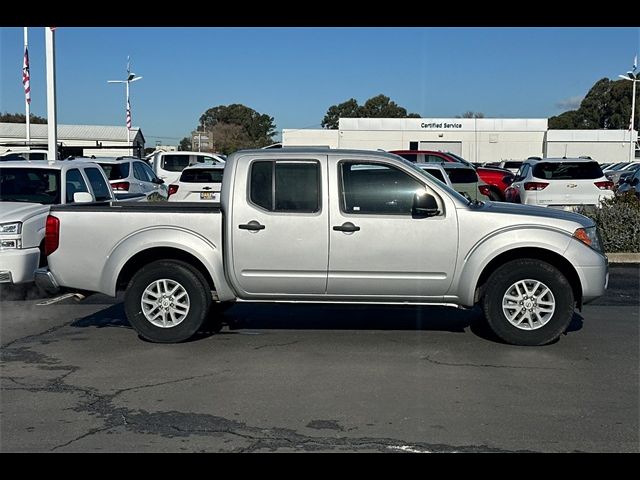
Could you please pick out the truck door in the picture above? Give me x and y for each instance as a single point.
(279, 221)
(377, 249)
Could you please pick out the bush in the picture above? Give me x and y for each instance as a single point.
(618, 222)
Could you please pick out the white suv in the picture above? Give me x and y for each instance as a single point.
(168, 165)
(198, 183)
(563, 183)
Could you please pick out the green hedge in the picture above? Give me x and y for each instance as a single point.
(618, 223)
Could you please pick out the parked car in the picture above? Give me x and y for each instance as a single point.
(461, 178)
(132, 175)
(612, 167)
(563, 183)
(630, 184)
(168, 165)
(27, 190)
(198, 183)
(26, 154)
(629, 169)
(323, 226)
(498, 179)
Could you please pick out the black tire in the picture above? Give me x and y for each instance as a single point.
(190, 279)
(515, 271)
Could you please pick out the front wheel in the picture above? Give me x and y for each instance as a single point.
(528, 302)
(167, 301)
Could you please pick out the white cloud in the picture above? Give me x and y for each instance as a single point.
(571, 103)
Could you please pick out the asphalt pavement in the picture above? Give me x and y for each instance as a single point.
(318, 378)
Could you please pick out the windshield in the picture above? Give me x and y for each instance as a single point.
(31, 185)
(433, 179)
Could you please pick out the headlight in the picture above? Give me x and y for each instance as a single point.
(11, 228)
(6, 244)
(589, 236)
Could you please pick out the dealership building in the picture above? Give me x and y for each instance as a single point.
(475, 139)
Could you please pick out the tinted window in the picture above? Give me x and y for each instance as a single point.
(286, 186)
(151, 176)
(115, 171)
(436, 173)
(202, 175)
(33, 185)
(375, 188)
(462, 175)
(412, 157)
(567, 170)
(512, 164)
(37, 156)
(75, 183)
(13, 156)
(139, 173)
(98, 185)
(175, 163)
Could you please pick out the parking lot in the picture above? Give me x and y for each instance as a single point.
(76, 377)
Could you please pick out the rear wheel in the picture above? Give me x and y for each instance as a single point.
(167, 301)
(528, 302)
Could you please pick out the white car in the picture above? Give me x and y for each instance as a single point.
(198, 183)
(563, 183)
(27, 190)
(23, 154)
(132, 175)
(168, 165)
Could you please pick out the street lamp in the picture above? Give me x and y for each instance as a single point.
(634, 77)
(131, 77)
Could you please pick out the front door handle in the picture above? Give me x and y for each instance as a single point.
(252, 225)
(346, 227)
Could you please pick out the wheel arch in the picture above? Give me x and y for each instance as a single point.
(553, 258)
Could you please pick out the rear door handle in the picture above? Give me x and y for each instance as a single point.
(252, 225)
(346, 227)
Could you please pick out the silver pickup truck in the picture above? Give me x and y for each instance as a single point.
(336, 226)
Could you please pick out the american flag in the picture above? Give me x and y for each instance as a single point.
(25, 76)
(128, 115)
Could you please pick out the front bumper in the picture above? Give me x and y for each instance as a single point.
(46, 281)
(17, 265)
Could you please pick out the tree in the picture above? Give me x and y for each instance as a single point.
(379, 106)
(472, 115)
(21, 118)
(229, 137)
(348, 109)
(606, 106)
(185, 144)
(256, 129)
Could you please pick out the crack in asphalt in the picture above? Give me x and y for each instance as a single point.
(170, 424)
(276, 345)
(489, 365)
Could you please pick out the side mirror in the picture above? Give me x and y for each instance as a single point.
(82, 197)
(424, 205)
(159, 181)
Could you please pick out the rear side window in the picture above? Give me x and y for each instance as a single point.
(284, 186)
(567, 170)
(75, 183)
(433, 159)
(412, 157)
(462, 175)
(37, 156)
(175, 163)
(115, 171)
(202, 175)
(436, 173)
(98, 185)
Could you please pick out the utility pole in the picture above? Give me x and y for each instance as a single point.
(52, 121)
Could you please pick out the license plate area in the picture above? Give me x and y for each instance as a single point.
(215, 196)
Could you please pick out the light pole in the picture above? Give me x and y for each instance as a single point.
(131, 77)
(632, 76)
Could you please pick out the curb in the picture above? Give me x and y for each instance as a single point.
(623, 257)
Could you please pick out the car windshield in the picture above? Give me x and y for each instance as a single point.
(567, 170)
(202, 175)
(32, 185)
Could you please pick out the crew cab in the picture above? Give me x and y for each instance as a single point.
(27, 190)
(335, 226)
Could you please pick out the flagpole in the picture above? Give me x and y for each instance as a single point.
(52, 121)
(27, 103)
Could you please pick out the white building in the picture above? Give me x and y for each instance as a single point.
(76, 140)
(476, 139)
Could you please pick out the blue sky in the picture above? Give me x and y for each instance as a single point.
(296, 74)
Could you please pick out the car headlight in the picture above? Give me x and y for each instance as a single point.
(11, 228)
(589, 236)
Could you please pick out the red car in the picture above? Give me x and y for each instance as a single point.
(497, 178)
